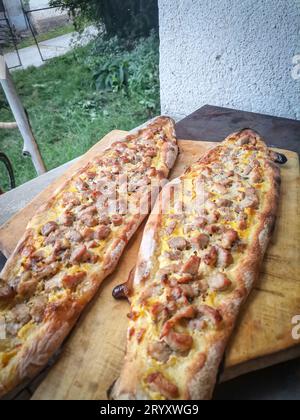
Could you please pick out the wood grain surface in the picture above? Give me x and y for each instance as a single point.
(93, 355)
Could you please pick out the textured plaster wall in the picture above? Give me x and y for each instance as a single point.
(234, 53)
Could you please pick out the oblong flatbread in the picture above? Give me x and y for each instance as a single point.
(73, 243)
(199, 259)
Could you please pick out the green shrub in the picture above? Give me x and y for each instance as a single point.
(135, 72)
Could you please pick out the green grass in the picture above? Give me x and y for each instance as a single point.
(28, 42)
(68, 114)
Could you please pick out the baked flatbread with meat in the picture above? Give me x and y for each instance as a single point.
(200, 256)
(74, 242)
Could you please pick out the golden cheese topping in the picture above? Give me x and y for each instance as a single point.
(205, 233)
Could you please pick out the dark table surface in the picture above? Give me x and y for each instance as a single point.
(214, 124)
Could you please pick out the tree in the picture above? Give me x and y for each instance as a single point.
(124, 18)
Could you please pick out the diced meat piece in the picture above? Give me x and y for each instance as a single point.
(251, 200)
(65, 256)
(27, 251)
(6, 292)
(230, 236)
(90, 210)
(178, 243)
(185, 278)
(79, 254)
(243, 140)
(91, 175)
(212, 229)
(47, 271)
(92, 258)
(61, 245)
(66, 219)
(151, 152)
(176, 293)
(27, 285)
(70, 198)
(73, 235)
(117, 220)
(19, 314)
(213, 217)
(179, 342)
(201, 241)
(119, 146)
(200, 222)
(223, 202)
(104, 220)
(226, 182)
(212, 257)
(159, 351)
(52, 238)
(81, 185)
(38, 255)
(197, 324)
(220, 189)
(225, 258)
(188, 291)
(227, 214)
(87, 233)
(255, 176)
(93, 244)
(247, 170)
(173, 255)
(158, 383)
(102, 232)
(159, 312)
(219, 282)
(192, 265)
(38, 307)
(49, 228)
(171, 227)
(163, 274)
(184, 313)
(199, 287)
(211, 206)
(71, 281)
(140, 335)
(210, 313)
(89, 220)
(242, 218)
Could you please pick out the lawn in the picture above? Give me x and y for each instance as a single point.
(73, 101)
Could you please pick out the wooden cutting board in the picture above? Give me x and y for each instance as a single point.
(92, 356)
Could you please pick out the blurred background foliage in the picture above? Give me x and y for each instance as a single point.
(123, 18)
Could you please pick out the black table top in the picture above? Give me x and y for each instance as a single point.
(213, 123)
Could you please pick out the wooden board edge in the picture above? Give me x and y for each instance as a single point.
(260, 363)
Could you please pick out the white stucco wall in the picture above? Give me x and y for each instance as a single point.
(232, 53)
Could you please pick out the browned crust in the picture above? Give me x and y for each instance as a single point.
(60, 320)
(202, 374)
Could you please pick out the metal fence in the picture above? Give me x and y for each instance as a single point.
(5, 25)
(7, 34)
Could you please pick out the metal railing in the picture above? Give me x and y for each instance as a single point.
(27, 13)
